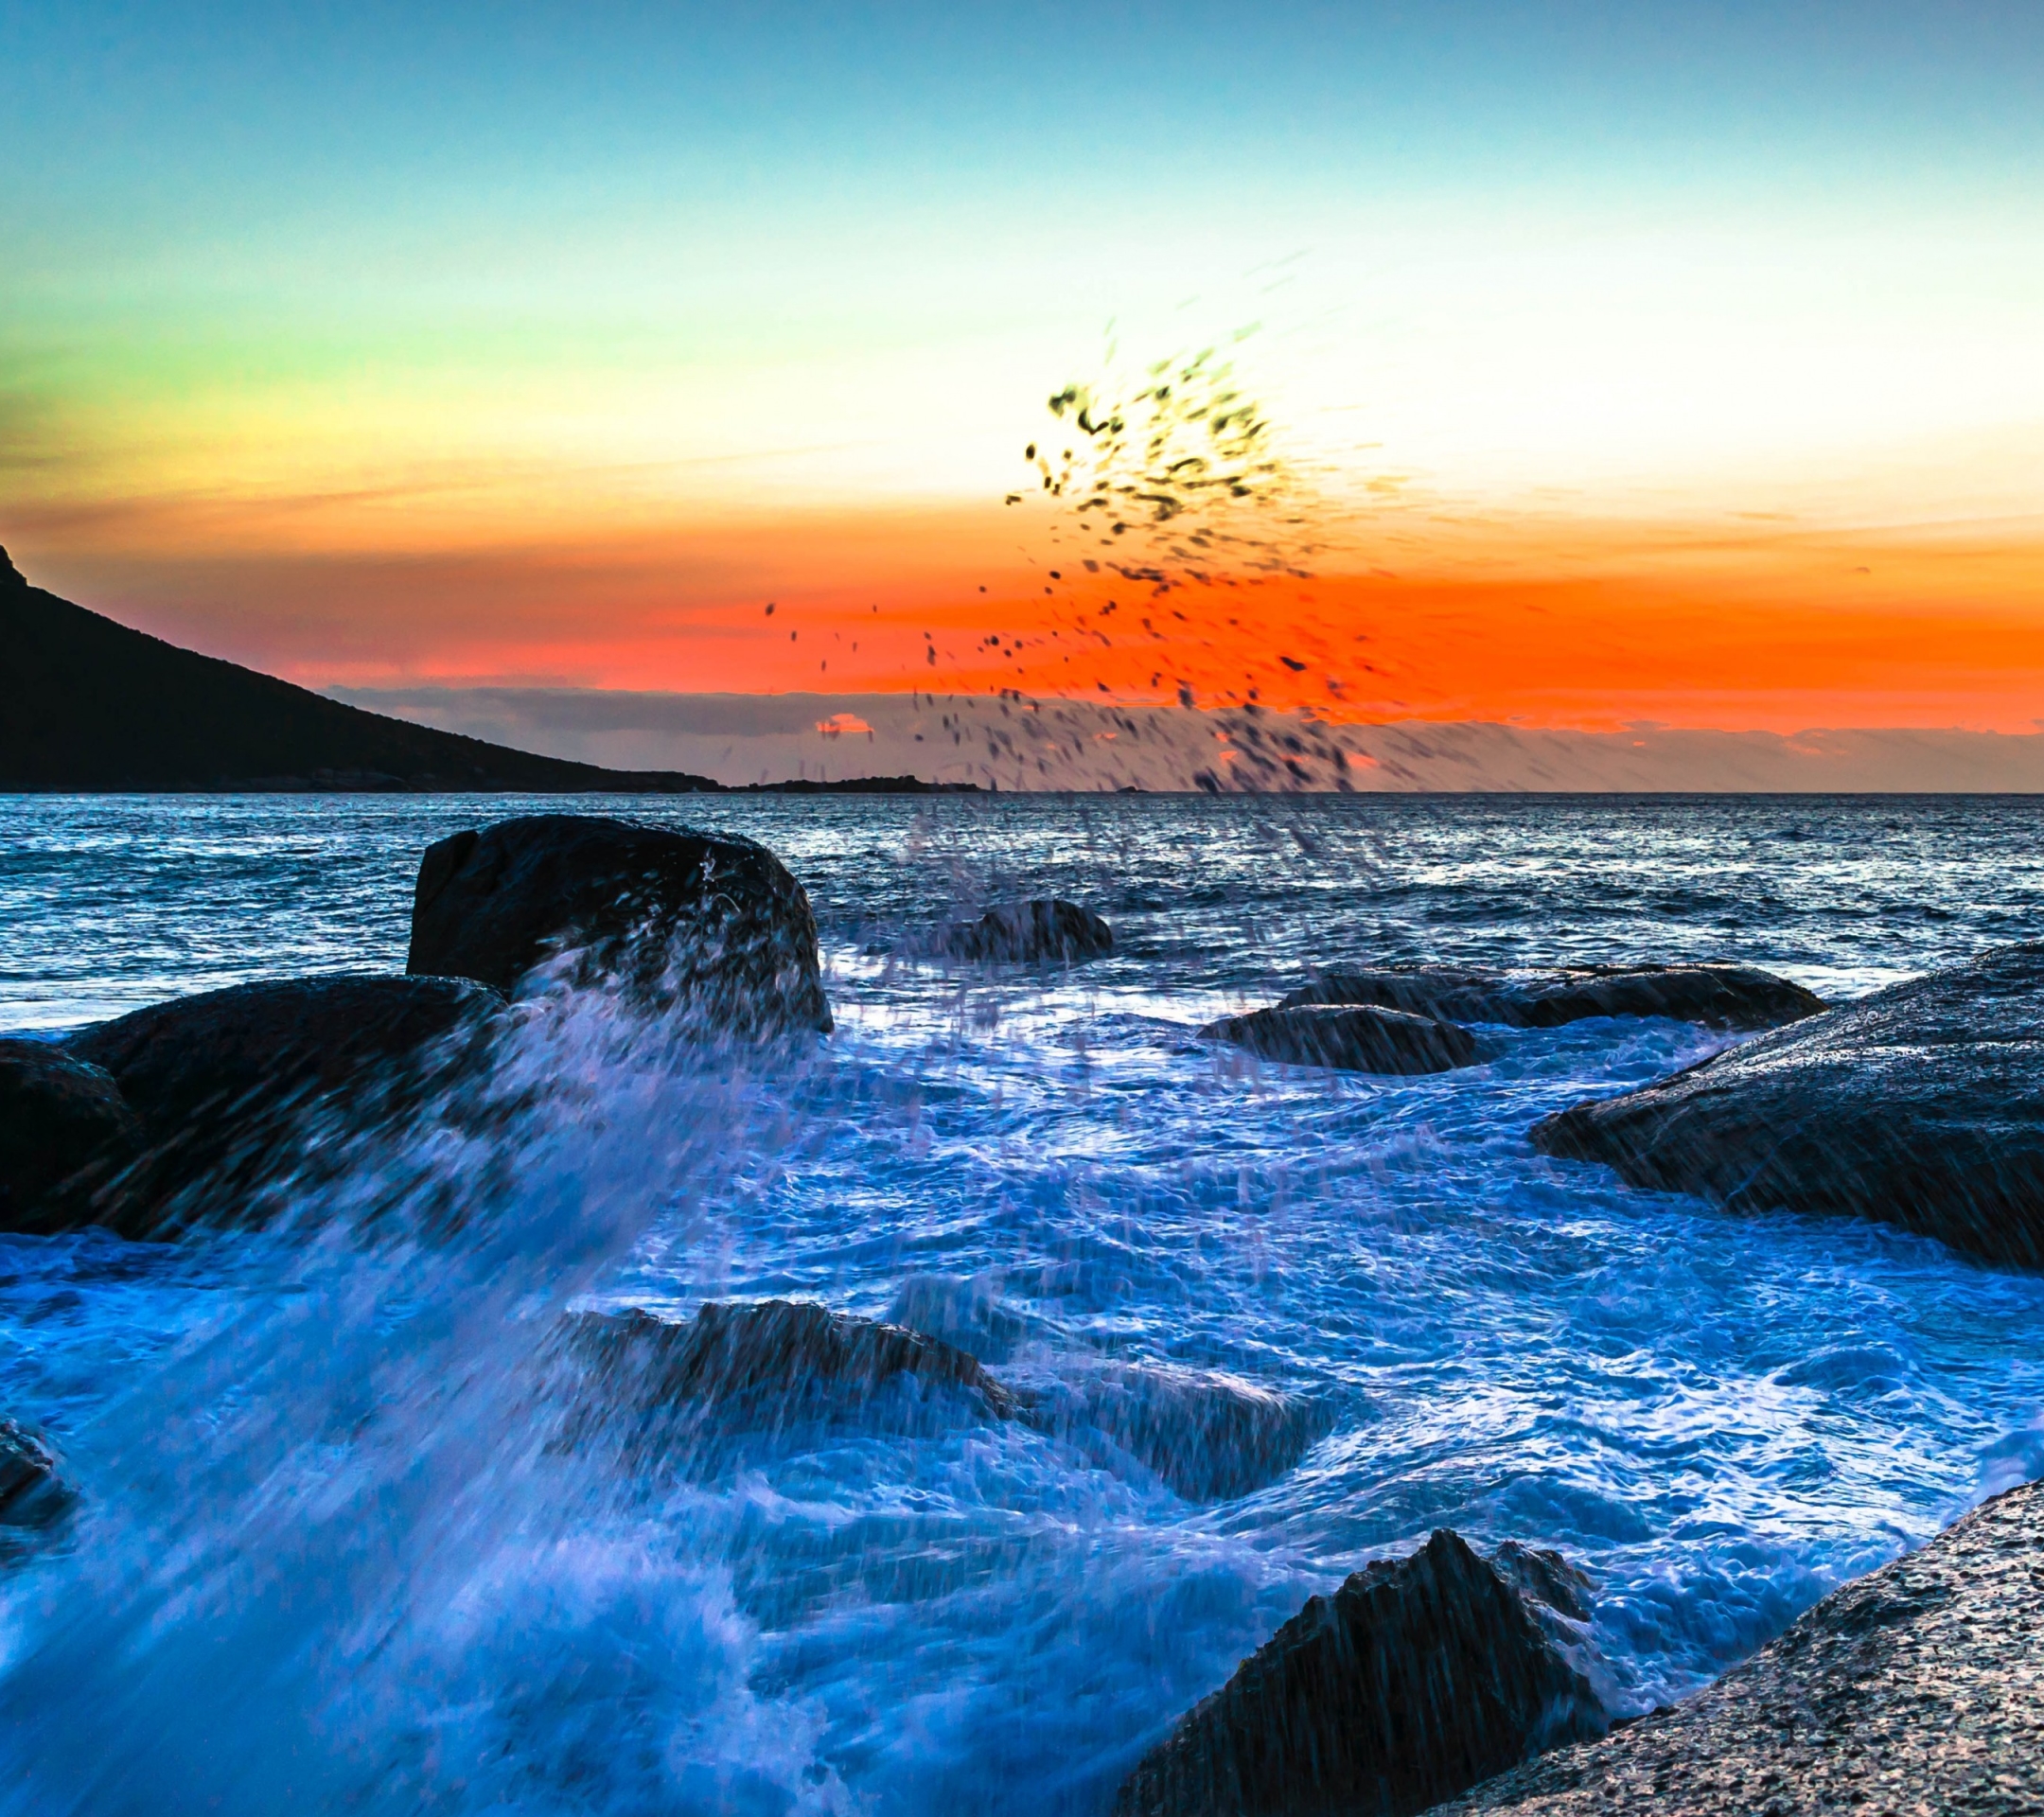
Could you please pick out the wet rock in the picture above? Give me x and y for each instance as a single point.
(713, 924)
(1719, 996)
(1912, 1690)
(1211, 1437)
(219, 1083)
(33, 1492)
(58, 1115)
(1921, 1106)
(771, 1363)
(1415, 1680)
(1359, 1039)
(1043, 931)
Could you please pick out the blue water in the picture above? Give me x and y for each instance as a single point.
(328, 1562)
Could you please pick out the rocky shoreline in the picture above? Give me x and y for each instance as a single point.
(1420, 1678)
(1915, 1689)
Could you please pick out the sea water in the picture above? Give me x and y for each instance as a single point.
(330, 1555)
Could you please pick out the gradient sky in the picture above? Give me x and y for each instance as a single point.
(1668, 362)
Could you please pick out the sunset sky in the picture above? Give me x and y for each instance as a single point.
(1680, 362)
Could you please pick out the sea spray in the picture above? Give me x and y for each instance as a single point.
(308, 1528)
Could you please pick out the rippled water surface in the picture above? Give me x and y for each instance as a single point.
(327, 1558)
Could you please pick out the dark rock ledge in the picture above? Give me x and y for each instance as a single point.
(1043, 932)
(1921, 1106)
(1359, 1039)
(1915, 1689)
(767, 1366)
(1416, 1680)
(1719, 996)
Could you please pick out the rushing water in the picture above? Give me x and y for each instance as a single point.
(327, 1559)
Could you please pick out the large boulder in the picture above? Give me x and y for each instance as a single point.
(33, 1492)
(1415, 1680)
(58, 1115)
(1719, 996)
(1914, 1690)
(713, 924)
(1043, 932)
(1357, 1039)
(219, 1082)
(1921, 1106)
(1209, 1436)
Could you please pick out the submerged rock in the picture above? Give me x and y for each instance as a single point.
(218, 1082)
(33, 1492)
(1921, 1106)
(1719, 996)
(1416, 1680)
(716, 925)
(1043, 931)
(1912, 1690)
(1209, 1436)
(1359, 1039)
(771, 1363)
(58, 1115)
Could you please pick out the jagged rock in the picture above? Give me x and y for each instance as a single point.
(771, 1363)
(1358, 1039)
(1209, 1436)
(33, 1492)
(1043, 932)
(1416, 1680)
(218, 1082)
(1912, 1690)
(1719, 996)
(58, 1115)
(1921, 1106)
(715, 925)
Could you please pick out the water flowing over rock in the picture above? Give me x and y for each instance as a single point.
(713, 923)
(1719, 996)
(1043, 931)
(218, 1082)
(1921, 1106)
(1355, 1039)
(1209, 1436)
(58, 1115)
(1415, 1680)
(1913, 1688)
(771, 1363)
(33, 1492)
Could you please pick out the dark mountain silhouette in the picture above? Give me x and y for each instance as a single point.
(89, 705)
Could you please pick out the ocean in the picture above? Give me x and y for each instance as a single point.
(331, 1555)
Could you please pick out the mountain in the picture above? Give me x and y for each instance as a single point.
(86, 704)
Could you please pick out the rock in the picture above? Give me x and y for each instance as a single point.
(1209, 1436)
(689, 919)
(1415, 1680)
(58, 1115)
(771, 1363)
(220, 1080)
(1912, 1690)
(1359, 1039)
(32, 1490)
(1719, 996)
(1041, 931)
(1921, 1106)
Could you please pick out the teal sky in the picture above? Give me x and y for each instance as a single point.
(321, 284)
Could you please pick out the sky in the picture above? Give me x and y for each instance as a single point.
(1660, 364)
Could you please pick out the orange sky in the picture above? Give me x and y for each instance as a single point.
(1559, 622)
